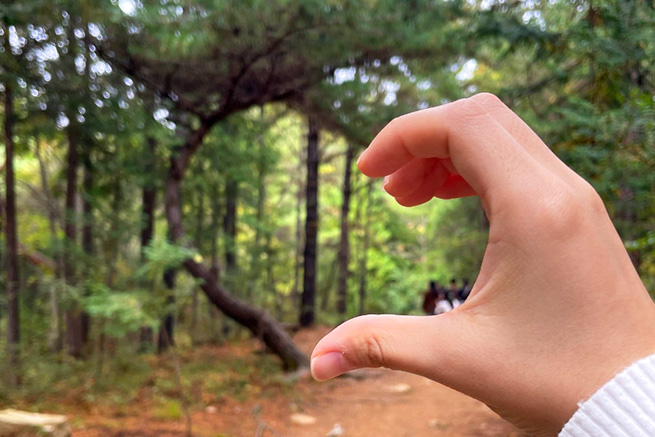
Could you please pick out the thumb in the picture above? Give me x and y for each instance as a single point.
(418, 344)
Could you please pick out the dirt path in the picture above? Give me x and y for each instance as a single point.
(389, 403)
(376, 402)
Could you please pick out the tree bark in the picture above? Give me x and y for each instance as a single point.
(308, 298)
(299, 243)
(13, 278)
(87, 230)
(148, 208)
(344, 247)
(74, 340)
(54, 340)
(257, 321)
(87, 182)
(214, 227)
(200, 219)
(219, 327)
(363, 261)
(74, 318)
(149, 195)
(230, 225)
(166, 338)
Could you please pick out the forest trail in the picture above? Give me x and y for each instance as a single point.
(374, 402)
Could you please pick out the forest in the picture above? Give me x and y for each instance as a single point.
(179, 195)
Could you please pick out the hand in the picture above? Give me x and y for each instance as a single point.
(557, 309)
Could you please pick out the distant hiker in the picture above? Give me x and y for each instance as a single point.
(430, 298)
(464, 292)
(451, 294)
(443, 305)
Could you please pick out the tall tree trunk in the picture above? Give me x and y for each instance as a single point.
(74, 317)
(166, 337)
(308, 298)
(214, 226)
(299, 235)
(149, 195)
(257, 321)
(87, 229)
(13, 278)
(74, 338)
(344, 247)
(363, 260)
(218, 322)
(88, 223)
(199, 238)
(230, 225)
(148, 208)
(54, 339)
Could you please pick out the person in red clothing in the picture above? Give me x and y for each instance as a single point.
(430, 298)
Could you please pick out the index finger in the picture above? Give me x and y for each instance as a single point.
(483, 152)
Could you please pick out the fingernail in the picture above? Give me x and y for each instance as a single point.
(385, 181)
(329, 365)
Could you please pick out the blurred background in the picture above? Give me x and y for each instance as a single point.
(182, 218)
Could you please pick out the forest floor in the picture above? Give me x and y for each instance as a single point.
(374, 402)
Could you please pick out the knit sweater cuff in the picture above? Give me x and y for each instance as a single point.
(625, 406)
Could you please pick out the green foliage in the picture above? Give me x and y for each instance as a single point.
(161, 256)
(124, 311)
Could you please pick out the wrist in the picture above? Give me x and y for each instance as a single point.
(623, 406)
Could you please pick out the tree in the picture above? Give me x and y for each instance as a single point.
(344, 247)
(308, 297)
(13, 277)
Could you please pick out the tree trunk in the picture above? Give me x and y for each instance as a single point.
(363, 261)
(166, 338)
(74, 337)
(200, 218)
(148, 207)
(87, 230)
(149, 195)
(219, 328)
(299, 243)
(308, 298)
(13, 278)
(258, 322)
(214, 226)
(344, 247)
(54, 339)
(230, 225)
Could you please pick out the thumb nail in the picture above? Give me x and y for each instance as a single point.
(329, 365)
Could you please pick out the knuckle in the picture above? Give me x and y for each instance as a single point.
(393, 124)
(560, 215)
(487, 100)
(369, 348)
(589, 197)
(477, 106)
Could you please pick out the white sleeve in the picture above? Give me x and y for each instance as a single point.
(623, 407)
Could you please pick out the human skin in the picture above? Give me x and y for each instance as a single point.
(557, 309)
